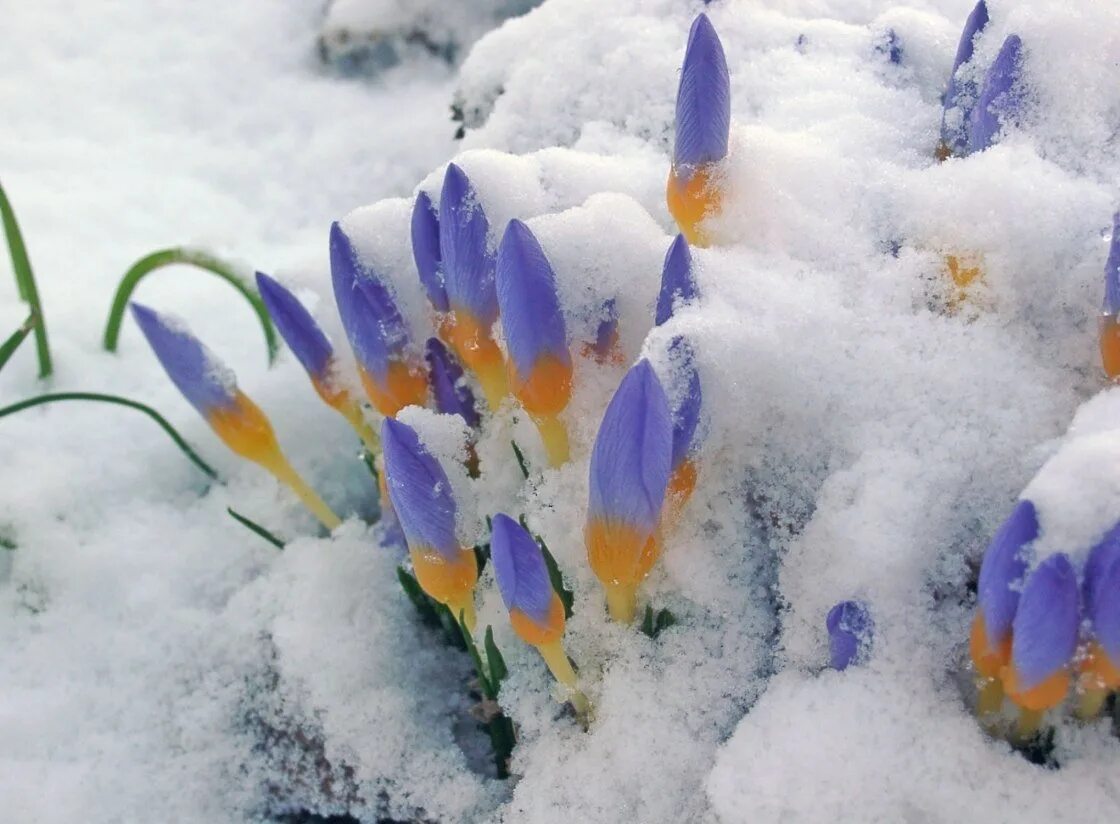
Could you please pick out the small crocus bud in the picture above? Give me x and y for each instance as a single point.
(605, 347)
(535, 610)
(211, 388)
(468, 275)
(960, 95)
(1001, 97)
(425, 251)
(314, 352)
(451, 393)
(392, 377)
(1109, 324)
(678, 283)
(687, 402)
(849, 634)
(1100, 666)
(703, 126)
(421, 496)
(630, 466)
(540, 366)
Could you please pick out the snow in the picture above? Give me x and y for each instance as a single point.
(864, 436)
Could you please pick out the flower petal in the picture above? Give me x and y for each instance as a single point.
(1002, 569)
(687, 401)
(296, 325)
(1112, 271)
(849, 634)
(468, 263)
(678, 285)
(703, 99)
(520, 569)
(961, 93)
(1044, 633)
(452, 395)
(425, 251)
(419, 490)
(1001, 97)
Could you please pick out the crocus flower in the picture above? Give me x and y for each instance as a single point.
(540, 366)
(211, 389)
(961, 93)
(678, 283)
(421, 496)
(1109, 326)
(849, 634)
(392, 377)
(468, 273)
(1001, 97)
(1100, 667)
(451, 393)
(605, 347)
(630, 466)
(688, 399)
(425, 251)
(535, 610)
(1044, 638)
(314, 352)
(703, 126)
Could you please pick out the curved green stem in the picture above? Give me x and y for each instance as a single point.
(192, 257)
(94, 396)
(25, 282)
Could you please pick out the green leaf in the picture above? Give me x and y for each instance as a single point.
(9, 347)
(567, 598)
(191, 257)
(498, 669)
(502, 741)
(180, 442)
(520, 459)
(653, 624)
(665, 619)
(488, 689)
(25, 281)
(252, 526)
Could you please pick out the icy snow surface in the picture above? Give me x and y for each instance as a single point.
(158, 662)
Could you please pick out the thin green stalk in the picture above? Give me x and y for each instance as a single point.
(254, 527)
(25, 281)
(94, 396)
(192, 257)
(9, 347)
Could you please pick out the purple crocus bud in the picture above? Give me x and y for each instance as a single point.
(520, 569)
(425, 251)
(468, 263)
(1112, 271)
(703, 121)
(452, 394)
(605, 346)
(1044, 636)
(1000, 573)
(849, 634)
(298, 328)
(1103, 608)
(961, 93)
(1001, 97)
(1101, 556)
(678, 284)
(419, 490)
(687, 405)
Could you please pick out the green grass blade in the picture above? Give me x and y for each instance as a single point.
(180, 442)
(9, 347)
(25, 282)
(252, 526)
(498, 668)
(521, 462)
(192, 257)
(488, 689)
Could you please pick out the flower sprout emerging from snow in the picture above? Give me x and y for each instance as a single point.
(540, 366)
(703, 126)
(535, 610)
(451, 393)
(1001, 97)
(468, 276)
(630, 465)
(425, 251)
(1109, 326)
(960, 95)
(314, 352)
(421, 496)
(849, 634)
(678, 283)
(1100, 665)
(392, 378)
(212, 390)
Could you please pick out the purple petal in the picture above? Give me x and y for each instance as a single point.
(703, 99)
(607, 333)
(631, 460)
(1044, 634)
(686, 410)
(1104, 612)
(425, 251)
(532, 322)
(961, 93)
(520, 569)
(678, 285)
(204, 381)
(1002, 569)
(1112, 271)
(468, 264)
(1101, 556)
(419, 490)
(296, 326)
(1001, 97)
(445, 375)
(849, 634)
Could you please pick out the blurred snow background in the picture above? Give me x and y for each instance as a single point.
(157, 662)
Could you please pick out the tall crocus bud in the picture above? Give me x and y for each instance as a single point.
(1100, 667)
(392, 377)
(421, 496)
(606, 346)
(849, 634)
(535, 610)
(314, 352)
(960, 95)
(1109, 325)
(703, 128)
(1001, 97)
(451, 393)
(211, 388)
(540, 366)
(425, 251)
(468, 274)
(630, 466)
(1044, 638)
(678, 283)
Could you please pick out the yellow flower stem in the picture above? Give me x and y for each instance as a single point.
(278, 465)
(561, 669)
(1090, 703)
(1027, 725)
(989, 701)
(495, 385)
(622, 602)
(353, 414)
(464, 613)
(555, 437)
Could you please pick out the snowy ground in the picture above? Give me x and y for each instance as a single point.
(158, 662)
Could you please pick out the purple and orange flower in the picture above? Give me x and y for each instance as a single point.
(1001, 98)
(960, 95)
